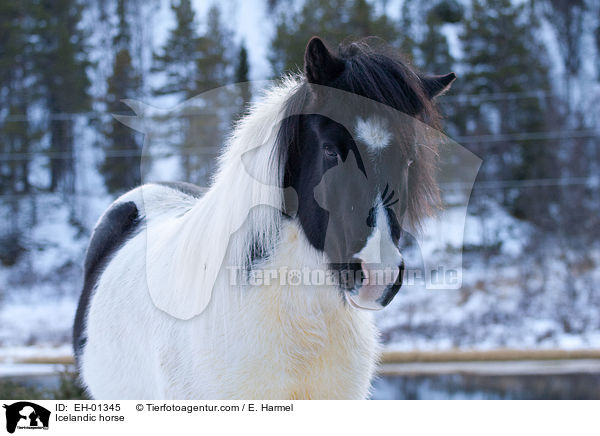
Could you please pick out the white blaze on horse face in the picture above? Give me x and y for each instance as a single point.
(374, 132)
(380, 261)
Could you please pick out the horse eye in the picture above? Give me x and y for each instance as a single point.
(409, 163)
(329, 150)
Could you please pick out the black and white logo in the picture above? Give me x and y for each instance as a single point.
(26, 415)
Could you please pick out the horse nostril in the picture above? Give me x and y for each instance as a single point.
(364, 271)
(351, 275)
(361, 276)
(391, 291)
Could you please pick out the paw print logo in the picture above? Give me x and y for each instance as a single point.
(294, 278)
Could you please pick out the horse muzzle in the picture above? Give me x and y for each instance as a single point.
(379, 286)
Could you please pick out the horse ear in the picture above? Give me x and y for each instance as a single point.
(437, 85)
(320, 65)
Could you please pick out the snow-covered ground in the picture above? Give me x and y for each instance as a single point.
(532, 292)
(38, 295)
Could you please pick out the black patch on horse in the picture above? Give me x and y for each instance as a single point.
(118, 225)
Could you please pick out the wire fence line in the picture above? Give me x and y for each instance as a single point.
(20, 118)
(213, 150)
(495, 96)
(462, 98)
(132, 152)
(529, 136)
(593, 182)
(209, 152)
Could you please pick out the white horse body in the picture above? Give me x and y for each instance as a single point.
(275, 341)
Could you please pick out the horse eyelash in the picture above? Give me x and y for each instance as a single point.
(393, 202)
(387, 198)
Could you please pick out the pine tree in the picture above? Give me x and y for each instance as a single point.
(334, 21)
(196, 67)
(411, 25)
(61, 62)
(434, 48)
(568, 18)
(194, 64)
(17, 134)
(503, 55)
(121, 165)
(241, 77)
(15, 69)
(597, 38)
(434, 57)
(579, 207)
(178, 61)
(180, 54)
(209, 123)
(422, 37)
(242, 68)
(215, 60)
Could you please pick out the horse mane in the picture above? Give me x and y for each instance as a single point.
(249, 168)
(377, 72)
